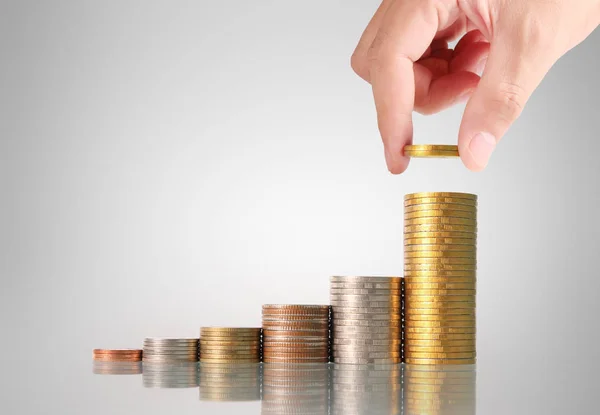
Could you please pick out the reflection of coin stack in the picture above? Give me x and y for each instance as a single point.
(366, 320)
(170, 375)
(170, 350)
(444, 390)
(295, 389)
(230, 382)
(440, 235)
(117, 368)
(295, 333)
(230, 344)
(366, 389)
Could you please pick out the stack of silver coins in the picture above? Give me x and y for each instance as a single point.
(299, 389)
(366, 389)
(366, 320)
(223, 382)
(171, 375)
(160, 350)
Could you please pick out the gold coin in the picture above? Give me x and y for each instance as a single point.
(440, 227)
(232, 330)
(471, 208)
(408, 337)
(412, 285)
(437, 292)
(440, 349)
(459, 307)
(440, 324)
(440, 343)
(415, 311)
(460, 243)
(440, 200)
(431, 147)
(439, 267)
(441, 318)
(459, 195)
(442, 248)
(440, 355)
(440, 330)
(468, 262)
(438, 214)
(468, 222)
(440, 254)
(418, 299)
(414, 361)
(430, 154)
(408, 274)
(442, 235)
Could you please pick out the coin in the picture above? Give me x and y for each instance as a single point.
(440, 361)
(231, 330)
(439, 311)
(440, 318)
(303, 325)
(460, 195)
(366, 317)
(415, 292)
(357, 279)
(408, 337)
(362, 329)
(440, 267)
(442, 221)
(430, 151)
(364, 361)
(232, 345)
(364, 291)
(441, 343)
(442, 236)
(416, 243)
(439, 349)
(411, 275)
(464, 230)
(411, 284)
(296, 307)
(366, 285)
(439, 298)
(417, 255)
(366, 311)
(441, 213)
(439, 324)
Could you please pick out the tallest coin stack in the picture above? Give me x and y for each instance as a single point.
(440, 238)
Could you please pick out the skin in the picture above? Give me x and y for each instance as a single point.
(404, 55)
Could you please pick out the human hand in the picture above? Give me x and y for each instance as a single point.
(404, 55)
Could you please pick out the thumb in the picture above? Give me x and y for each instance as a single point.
(516, 65)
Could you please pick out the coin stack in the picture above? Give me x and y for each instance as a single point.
(366, 320)
(299, 389)
(295, 333)
(431, 389)
(440, 237)
(116, 368)
(222, 382)
(117, 355)
(366, 389)
(170, 375)
(158, 350)
(230, 344)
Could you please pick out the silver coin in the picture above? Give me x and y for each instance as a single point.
(363, 291)
(363, 361)
(365, 388)
(367, 336)
(365, 348)
(366, 310)
(365, 354)
(366, 285)
(284, 320)
(367, 330)
(364, 279)
(151, 340)
(365, 342)
(367, 317)
(394, 296)
(367, 304)
(366, 323)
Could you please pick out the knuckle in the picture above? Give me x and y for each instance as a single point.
(509, 101)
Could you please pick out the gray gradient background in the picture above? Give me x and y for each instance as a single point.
(171, 164)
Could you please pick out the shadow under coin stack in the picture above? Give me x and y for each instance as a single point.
(171, 375)
(295, 333)
(237, 382)
(366, 389)
(295, 389)
(159, 350)
(366, 320)
(444, 390)
(440, 238)
(230, 344)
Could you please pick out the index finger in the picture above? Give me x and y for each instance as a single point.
(408, 28)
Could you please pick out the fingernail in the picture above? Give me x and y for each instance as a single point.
(481, 147)
(464, 97)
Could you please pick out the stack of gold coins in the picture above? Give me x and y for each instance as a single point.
(295, 333)
(230, 344)
(437, 389)
(224, 382)
(366, 319)
(117, 355)
(440, 237)
(299, 389)
(366, 389)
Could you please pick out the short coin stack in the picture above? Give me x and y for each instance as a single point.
(301, 389)
(170, 375)
(230, 344)
(440, 238)
(431, 389)
(160, 350)
(295, 333)
(222, 382)
(117, 355)
(366, 320)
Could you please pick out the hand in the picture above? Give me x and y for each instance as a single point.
(404, 54)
